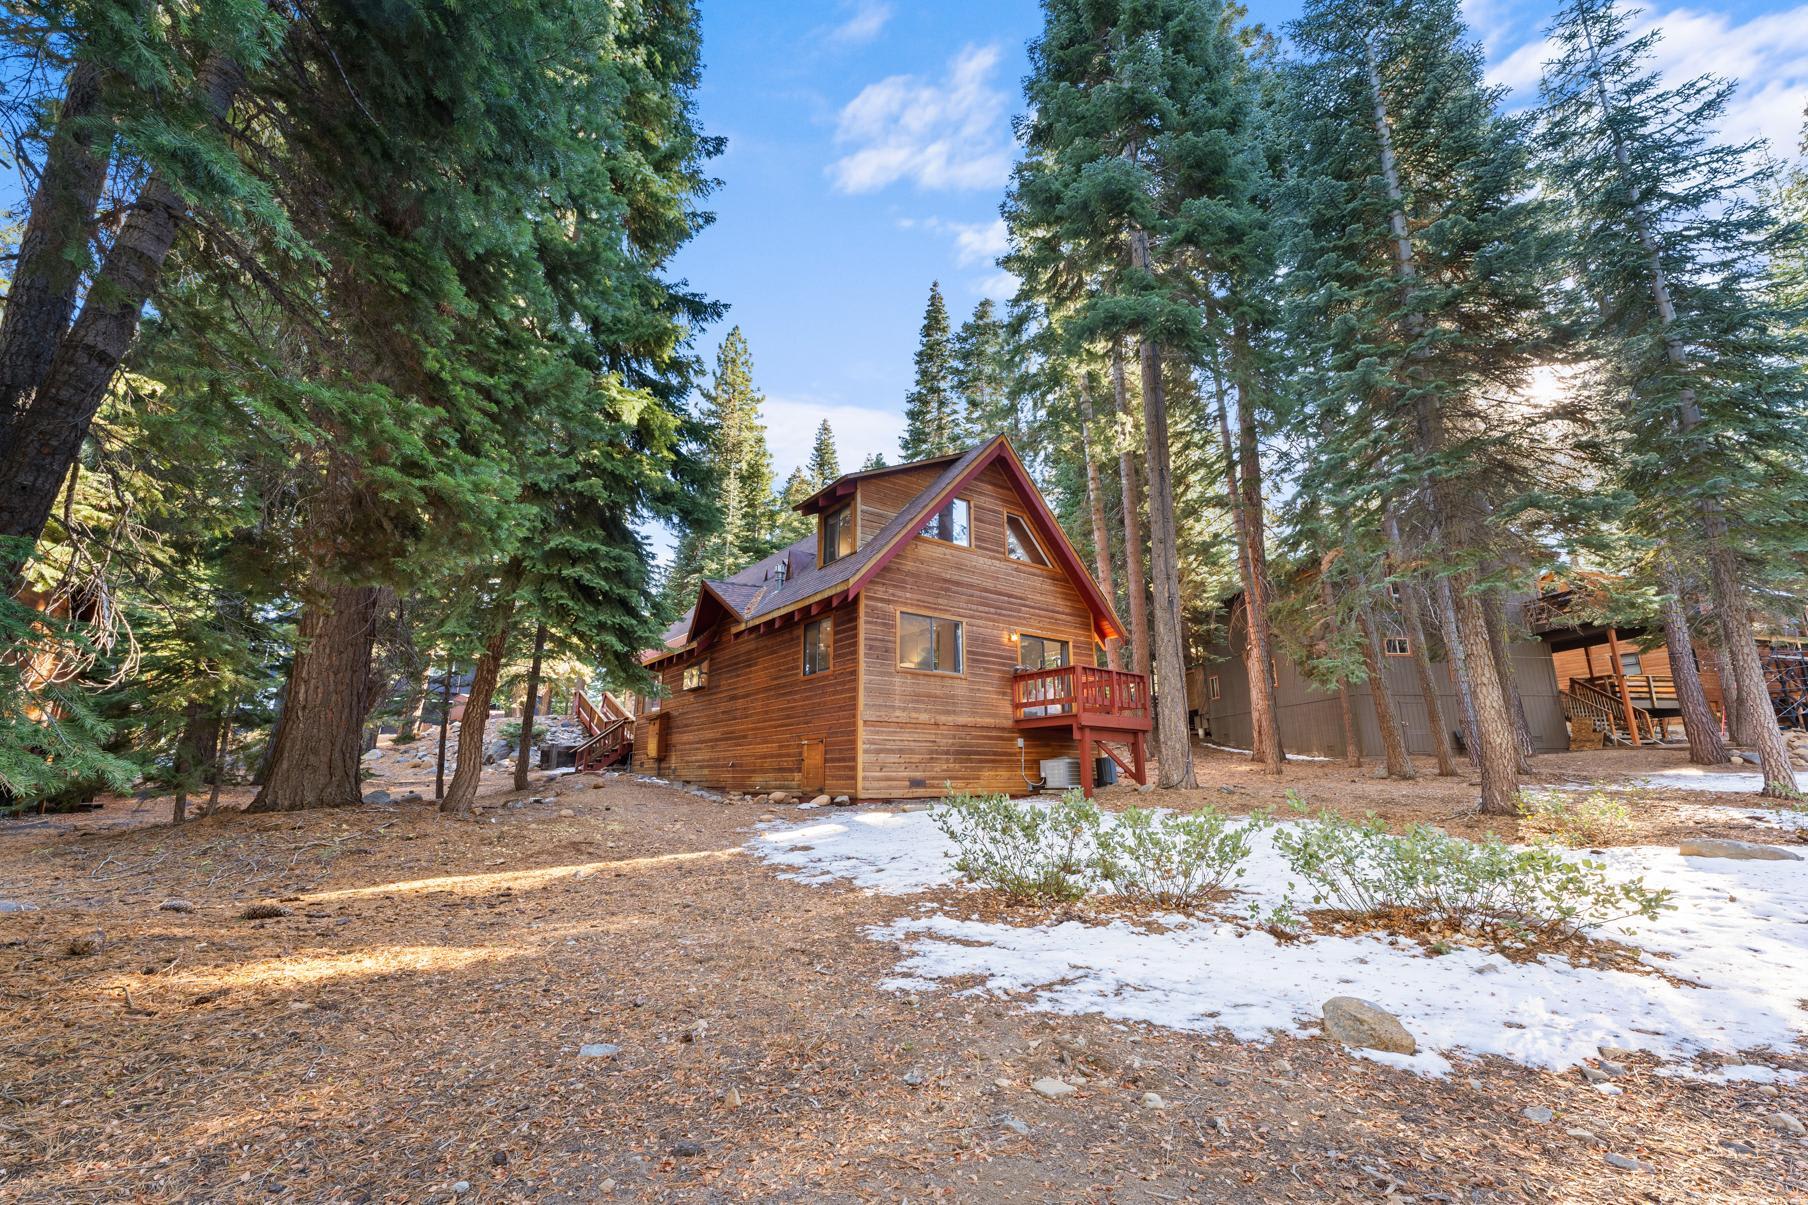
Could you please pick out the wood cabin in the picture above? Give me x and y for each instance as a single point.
(936, 631)
(1311, 717)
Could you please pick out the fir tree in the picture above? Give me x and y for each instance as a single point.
(794, 526)
(874, 461)
(1697, 375)
(740, 463)
(981, 378)
(825, 462)
(932, 419)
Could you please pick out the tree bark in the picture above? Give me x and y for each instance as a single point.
(445, 727)
(47, 435)
(1729, 695)
(191, 755)
(529, 708)
(42, 292)
(1135, 576)
(221, 752)
(1494, 610)
(315, 760)
(1264, 721)
(463, 788)
(1393, 741)
(1705, 746)
(1413, 607)
(1101, 532)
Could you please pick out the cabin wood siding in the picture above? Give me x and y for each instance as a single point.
(925, 730)
(745, 730)
(881, 498)
(1574, 663)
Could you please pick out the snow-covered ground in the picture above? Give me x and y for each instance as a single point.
(1739, 936)
(1693, 778)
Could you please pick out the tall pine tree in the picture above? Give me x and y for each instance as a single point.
(932, 415)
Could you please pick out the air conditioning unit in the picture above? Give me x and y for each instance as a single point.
(1061, 772)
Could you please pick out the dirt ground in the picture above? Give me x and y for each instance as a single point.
(410, 1029)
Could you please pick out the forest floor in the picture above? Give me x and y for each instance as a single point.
(412, 1026)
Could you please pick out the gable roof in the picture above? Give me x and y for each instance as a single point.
(843, 578)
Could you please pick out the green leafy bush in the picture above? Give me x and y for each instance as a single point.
(1172, 859)
(1596, 818)
(1027, 850)
(510, 731)
(1488, 887)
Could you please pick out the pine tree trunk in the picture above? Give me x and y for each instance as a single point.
(1264, 721)
(445, 728)
(1495, 747)
(1393, 741)
(1494, 610)
(1729, 696)
(41, 294)
(1346, 706)
(221, 752)
(1413, 607)
(46, 436)
(1136, 578)
(1101, 532)
(315, 760)
(1459, 665)
(1705, 746)
(529, 708)
(408, 726)
(192, 748)
(463, 788)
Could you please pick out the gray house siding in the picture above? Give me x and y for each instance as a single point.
(1312, 722)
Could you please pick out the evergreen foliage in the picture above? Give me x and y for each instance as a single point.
(932, 417)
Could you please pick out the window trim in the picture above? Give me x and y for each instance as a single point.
(852, 508)
(1405, 646)
(971, 511)
(702, 670)
(1214, 687)
(1022, 636)
(898, 643)
(1029, 528)
(828, 648)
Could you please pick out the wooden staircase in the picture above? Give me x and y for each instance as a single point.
(609, 732)
(1588, 701)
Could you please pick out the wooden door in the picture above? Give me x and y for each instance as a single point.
(811, 779)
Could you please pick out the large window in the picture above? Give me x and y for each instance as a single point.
(696, 677)
(1039, 652)
(1019, 543)
(952, 523)
(838, 534)
(819, 635)
(928, 643)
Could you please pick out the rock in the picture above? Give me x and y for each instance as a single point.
(731, 1099)
(1767, 1090)
(1001, 1082)
(778, 797)
(1594, 1075)
(17, 906)
(1014, 1126)
(1583, 1135)
(175, 906)
(1054, 1089)
(264, 912)
(1537, 1113)
(372, 755)
(377, 797)
(1618, 1054)
(1612, 1068)
(597, 1050)
(1627, 1164)
(913, 1078)
(1737, 1147)
(821, 801)
(1366, 1026)
(499, 1159)
(566, 813)
(1787, 1123)
(684, 1148)
(1744, 851)
(842, 800)
(461, 1188)
(1153, 1100)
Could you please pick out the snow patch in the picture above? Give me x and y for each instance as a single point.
(1246, 752)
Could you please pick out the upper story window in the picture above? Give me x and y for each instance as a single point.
(696, 677)
(1020, 544)
(1630, 664)
(928, 643)
(1396, 646)
(837, 534)
(1039, 652)
(649, 702)
(819, 636)
(952, 523)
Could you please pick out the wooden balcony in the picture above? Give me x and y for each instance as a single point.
(1101, 707)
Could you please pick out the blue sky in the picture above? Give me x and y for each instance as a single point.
(869, 144)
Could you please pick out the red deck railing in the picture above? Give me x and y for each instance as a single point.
(1085, 694)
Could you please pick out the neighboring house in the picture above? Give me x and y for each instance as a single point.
(1311, 718)
(937, 630)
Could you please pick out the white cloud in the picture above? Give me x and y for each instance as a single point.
(951, 133)
(999, 286)
(974, 242)
(860, 431)
(1768, 53)
(868, 19)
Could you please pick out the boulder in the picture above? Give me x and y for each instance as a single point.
(1744, 851)
(821, 801)
(1054, 1089)
(377, 797)
(373, 755)
(1366, 1026)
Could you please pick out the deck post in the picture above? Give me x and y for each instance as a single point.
(1139, 751)
(1619, 678)
(1086, 762)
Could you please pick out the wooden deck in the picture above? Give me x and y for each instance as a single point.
(1101, 707)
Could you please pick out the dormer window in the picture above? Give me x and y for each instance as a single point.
(953, 523)
(837, 534)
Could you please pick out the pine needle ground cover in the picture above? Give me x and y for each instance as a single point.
(416, 1019)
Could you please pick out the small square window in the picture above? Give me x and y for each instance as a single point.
(819, 635)
(1020, 543)
(1396, 646)
(1630, 664)
(928, 643)
(696, 677)
(951, 524)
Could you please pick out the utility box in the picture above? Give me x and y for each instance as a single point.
(1060, 772)
(1104, 772)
